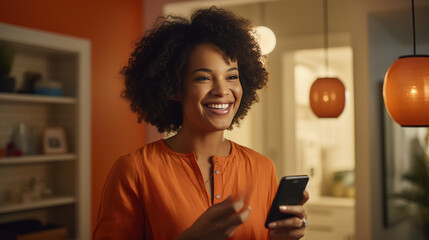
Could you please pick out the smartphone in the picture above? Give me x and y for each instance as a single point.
(290, 192)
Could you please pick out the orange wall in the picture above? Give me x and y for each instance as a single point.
(111, 26)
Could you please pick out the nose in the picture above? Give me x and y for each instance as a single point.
(220, 88)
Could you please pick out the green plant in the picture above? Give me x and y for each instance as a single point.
(418, 192)
(6, 59)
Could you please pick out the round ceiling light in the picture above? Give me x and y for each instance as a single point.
(266, 39)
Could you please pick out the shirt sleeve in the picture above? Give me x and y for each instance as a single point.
(274, 184)
(121, 215)
(272, 192)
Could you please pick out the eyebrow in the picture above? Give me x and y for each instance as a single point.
(209, 70)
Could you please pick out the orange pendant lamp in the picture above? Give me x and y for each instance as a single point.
(327, 97)
(406, 88)
(327, 94)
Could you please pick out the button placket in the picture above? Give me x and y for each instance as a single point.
(218, 182)
(193, 159)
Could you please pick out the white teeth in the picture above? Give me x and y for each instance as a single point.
(218, 106)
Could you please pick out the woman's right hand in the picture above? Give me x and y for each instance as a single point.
(218, 222)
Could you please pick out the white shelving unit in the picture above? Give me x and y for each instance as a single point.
(67, 60)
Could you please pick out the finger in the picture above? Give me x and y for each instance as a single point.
(238, 219)
(291, 223)
(241, 201)
(305, 197)
(235, 221)
(230, 232)
(297, 210)
(226, 208)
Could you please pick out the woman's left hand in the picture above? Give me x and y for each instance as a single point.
(292, 228)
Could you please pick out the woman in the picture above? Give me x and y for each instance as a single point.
(196, 78)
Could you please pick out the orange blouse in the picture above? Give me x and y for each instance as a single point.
(156, 193)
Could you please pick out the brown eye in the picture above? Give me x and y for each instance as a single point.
(202, 78)
(233, 77)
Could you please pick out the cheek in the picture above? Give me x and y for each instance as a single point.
(238, 92)
(196, 94)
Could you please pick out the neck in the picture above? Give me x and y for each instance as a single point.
(201, 143)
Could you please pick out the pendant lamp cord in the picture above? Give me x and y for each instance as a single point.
(414, 28)
(325, 34)
(262, 13)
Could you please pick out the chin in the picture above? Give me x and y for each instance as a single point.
(221, 126)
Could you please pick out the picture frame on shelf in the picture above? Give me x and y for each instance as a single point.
(54, 140)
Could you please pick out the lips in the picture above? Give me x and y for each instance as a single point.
(219, 108)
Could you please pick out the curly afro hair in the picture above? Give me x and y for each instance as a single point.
(155, 70)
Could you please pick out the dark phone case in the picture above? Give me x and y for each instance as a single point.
(289, 192)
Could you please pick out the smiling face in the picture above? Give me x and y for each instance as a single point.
(211, 90)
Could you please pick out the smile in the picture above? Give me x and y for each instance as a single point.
(219, 108)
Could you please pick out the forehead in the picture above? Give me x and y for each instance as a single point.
(209, 55)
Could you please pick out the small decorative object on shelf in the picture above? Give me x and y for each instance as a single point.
(50, 88)
(35, 190)
(30, 79)
(12, 151)
(54, 140)
(24, 140)
(7, 83)
(31, 190)
(343, 184)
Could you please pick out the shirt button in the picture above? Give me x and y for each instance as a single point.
(217, 171)
(217, 196)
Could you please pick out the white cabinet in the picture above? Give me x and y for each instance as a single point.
(330, 219)
(66, 175)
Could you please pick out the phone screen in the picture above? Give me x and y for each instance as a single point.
(290, 192)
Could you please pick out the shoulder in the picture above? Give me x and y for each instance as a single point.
(137, 158)
(252, 155)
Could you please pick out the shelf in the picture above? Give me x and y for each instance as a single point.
(31, 98)
(51, 202)
(37, 159)
(66, 60)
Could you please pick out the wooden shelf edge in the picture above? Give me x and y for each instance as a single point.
(37, 159)
(21, 97)
(51, 202)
